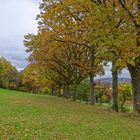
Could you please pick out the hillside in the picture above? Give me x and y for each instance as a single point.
(39, 117)
(109, 80)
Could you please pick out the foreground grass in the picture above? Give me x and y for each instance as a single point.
(37, 117)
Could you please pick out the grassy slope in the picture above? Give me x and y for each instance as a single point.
(36, 117)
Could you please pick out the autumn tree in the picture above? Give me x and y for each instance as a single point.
(31, 79)
(8, 75)
(125, 94)
(103, 92)
(68, 23)
(102, 31)
(132, 10)
(128, 41)
(119, 39)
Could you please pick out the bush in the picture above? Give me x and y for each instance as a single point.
(46, 90)
(81, 91)
(103, 92)
(125, 94)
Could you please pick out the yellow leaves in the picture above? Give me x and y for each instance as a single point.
(8, 73)
(69, 28)
(125, 89)
(120, 64)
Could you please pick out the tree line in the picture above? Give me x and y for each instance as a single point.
(29, 80)
(9, 76)
(77, 39)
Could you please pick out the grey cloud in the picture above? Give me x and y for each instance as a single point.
(14, 51)
(17, 19)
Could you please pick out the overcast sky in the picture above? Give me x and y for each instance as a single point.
(17, 18)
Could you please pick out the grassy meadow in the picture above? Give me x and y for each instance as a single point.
(38, 117)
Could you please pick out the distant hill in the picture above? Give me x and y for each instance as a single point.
(109, 80)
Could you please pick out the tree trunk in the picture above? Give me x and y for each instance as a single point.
(66, 91)
(100, 100)
(135, 80)
(115, 88)
(92, 94)
(53, 91)
(59, 91)
(123, 101)
(9, 84)
(135, 71)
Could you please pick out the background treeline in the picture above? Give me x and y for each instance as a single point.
(9, 76)
(29, 80)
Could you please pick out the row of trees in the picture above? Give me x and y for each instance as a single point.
(103, 93)
(11, 78)
(76, 39)
(29, 80)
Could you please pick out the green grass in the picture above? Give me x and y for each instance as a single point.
(37, 117)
